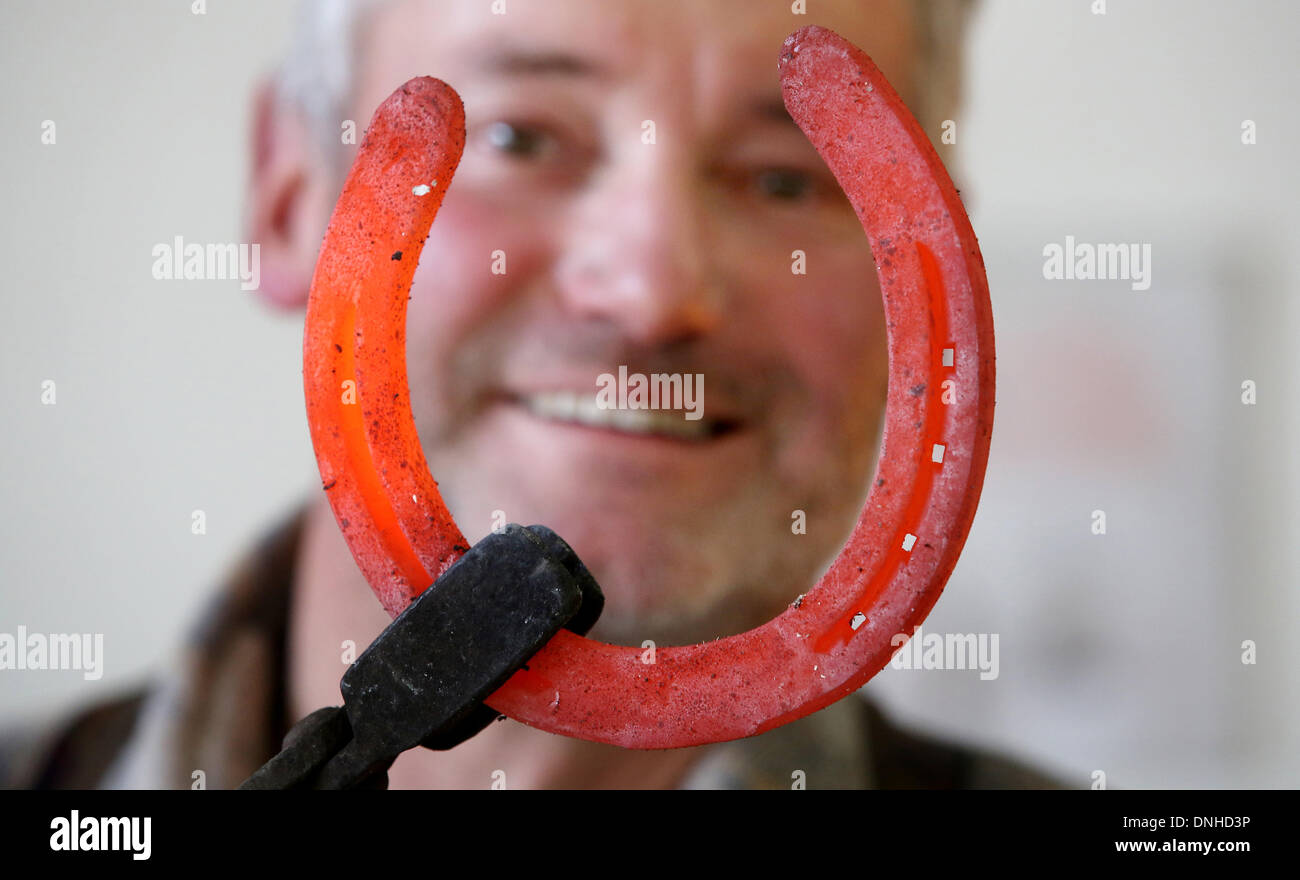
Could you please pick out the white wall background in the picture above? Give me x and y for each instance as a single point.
(1119, 652)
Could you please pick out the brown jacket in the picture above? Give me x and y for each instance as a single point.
(219, 714)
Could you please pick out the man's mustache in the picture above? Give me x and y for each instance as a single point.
(742, 385)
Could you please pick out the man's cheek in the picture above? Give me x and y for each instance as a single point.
(464, 274)
(464, 269)
(475, 262)
(839, 330)
(449, 295)
(832, 337)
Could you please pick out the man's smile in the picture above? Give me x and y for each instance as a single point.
(584, 408)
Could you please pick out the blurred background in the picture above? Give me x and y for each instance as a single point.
(1120, 652)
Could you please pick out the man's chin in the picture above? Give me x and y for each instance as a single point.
(679, 605)
(663, 627)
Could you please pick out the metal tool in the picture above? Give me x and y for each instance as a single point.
(422, 682)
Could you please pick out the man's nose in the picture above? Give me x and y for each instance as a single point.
(637, 255)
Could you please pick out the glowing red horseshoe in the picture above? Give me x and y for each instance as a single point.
(938, 419)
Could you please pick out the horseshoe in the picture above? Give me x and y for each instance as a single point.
(938, 419)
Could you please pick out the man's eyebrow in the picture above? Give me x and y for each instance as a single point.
(516, 61)
(771, 110)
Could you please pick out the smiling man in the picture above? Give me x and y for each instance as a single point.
(633, 200)
(631, 196)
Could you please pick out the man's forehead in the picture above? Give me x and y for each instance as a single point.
(617, 39)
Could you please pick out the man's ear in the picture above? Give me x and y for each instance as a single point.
(287, 199)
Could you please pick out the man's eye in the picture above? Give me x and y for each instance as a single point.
(519, 141)
(786, 184)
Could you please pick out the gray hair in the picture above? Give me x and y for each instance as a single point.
(316, 77)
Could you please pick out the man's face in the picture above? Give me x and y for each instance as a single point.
(664, 254)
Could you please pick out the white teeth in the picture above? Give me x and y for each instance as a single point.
(570, 406)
